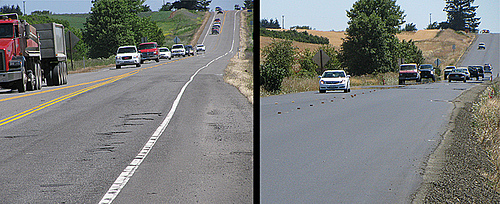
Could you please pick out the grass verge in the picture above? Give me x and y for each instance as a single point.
(298, 84)
(486, 123)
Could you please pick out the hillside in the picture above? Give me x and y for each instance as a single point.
(433, 43)
(181, 23)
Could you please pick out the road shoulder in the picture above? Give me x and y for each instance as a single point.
(454, 170)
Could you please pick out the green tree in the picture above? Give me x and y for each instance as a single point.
(248, 4)
(371, 45)
(167, 7)
(114, 23)
(278, 61)
(11, 9)
(410, 27)
(461, 15)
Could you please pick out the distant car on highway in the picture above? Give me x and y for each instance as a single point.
(447, 71)
(178, 50)
(409, 72)
(334, 80)
(476, 71)
(149, 51)
(200, 48)
(459, 74)
(189, 50)
(481, 46)
(127, 55)
(427, 71)
(218, 9)
(487, 68)
(485, 31)
(165, 53)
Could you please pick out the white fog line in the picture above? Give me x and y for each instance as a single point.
(129, 171)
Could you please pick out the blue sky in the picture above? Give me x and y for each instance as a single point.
(83, 6)
(331, 14)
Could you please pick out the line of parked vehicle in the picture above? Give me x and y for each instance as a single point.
(131, 55)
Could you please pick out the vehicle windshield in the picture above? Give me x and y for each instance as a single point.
(426, 66)
(177, 47)
(407, 67)
(459, 70)
(147, 46)
(333, 75)
(127, 50)
(199, 45)
(163, 49)
(6, 30)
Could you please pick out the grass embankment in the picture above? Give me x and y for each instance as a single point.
(181, 23)
(239, 72)
(433, 43)
(486, 120)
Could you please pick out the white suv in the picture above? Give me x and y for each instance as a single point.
(178, 50)
(128, 55)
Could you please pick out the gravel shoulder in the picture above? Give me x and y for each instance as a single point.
(454, 171)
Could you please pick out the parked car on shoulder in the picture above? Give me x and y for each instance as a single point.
(459, 74)
(189, 50)
(165, 53)
(447, 71)
(427, 71)
(127, 55)
(178, 50)
(149, 51)
(334, 80)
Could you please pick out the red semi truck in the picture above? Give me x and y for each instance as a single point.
(30, 54)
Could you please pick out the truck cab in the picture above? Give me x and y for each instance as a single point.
(19, 54)
(149, 51)
(409, 72)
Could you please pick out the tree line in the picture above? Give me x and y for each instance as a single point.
(295, 36)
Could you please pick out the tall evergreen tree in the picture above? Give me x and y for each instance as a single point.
(462, 15)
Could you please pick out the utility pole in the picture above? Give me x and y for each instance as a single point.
(283, 21)
(430, 18)
(24, 7)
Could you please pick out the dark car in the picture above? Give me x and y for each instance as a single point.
(487, 68)
(459, 74)
(427, 71)
(189, 50)
(218, 9)
(476, 71)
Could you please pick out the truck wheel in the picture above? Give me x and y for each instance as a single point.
(157, 60)
(56, 75)
(30, 85)
(38, 77)
(65, 74)
(138, 65)
(465, 80)
(433, 78)
(21, 84)
(449, 80)
(118, 66)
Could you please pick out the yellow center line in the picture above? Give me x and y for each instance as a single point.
(70, 95)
